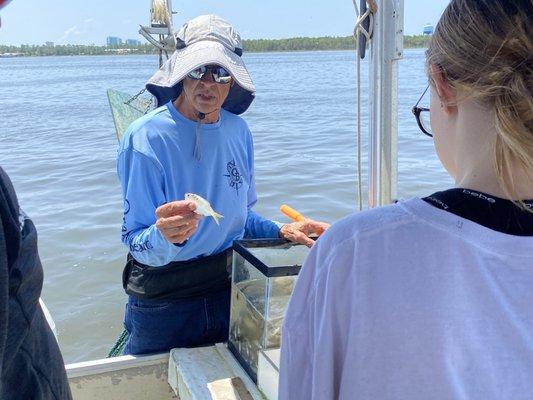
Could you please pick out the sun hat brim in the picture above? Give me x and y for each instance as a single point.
(166, 83)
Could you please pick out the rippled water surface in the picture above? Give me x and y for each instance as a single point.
(57, 143)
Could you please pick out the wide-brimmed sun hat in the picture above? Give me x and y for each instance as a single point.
(205, 40)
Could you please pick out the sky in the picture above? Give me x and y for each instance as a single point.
(90, 22)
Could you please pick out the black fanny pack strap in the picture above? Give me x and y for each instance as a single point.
(179, 279)
(126, 271)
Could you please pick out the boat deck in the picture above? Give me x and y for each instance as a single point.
(204, 373)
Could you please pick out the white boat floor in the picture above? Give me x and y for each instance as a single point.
(203, 373)
(118, 378)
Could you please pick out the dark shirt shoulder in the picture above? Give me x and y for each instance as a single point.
(31, 365)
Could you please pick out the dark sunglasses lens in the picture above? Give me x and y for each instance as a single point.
(221, 75)
(197, 73)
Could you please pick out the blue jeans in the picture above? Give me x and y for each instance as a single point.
(156, 326)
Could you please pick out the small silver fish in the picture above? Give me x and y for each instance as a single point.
(203, 207)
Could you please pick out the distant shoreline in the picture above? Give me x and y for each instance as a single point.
(250, 46)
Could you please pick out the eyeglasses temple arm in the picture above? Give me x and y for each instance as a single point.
(427, 87)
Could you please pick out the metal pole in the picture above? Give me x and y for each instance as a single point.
(386, 49)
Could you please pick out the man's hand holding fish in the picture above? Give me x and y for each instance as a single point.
(177, 220)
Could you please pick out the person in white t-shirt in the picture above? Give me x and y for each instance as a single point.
(432, 298)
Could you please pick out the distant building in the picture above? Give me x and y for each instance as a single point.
(133, 42)
(113, 41)
(428, 29)
(49, 44)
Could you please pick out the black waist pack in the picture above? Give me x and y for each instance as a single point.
(178, 279)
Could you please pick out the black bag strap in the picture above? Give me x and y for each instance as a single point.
(178, 279)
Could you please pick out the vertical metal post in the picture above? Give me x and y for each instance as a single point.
(386, 48)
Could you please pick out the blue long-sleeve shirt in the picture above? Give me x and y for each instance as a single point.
(156, 165)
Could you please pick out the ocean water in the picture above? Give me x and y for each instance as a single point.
(57, 143)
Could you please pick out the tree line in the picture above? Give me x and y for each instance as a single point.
(320, 43)
(250, 45)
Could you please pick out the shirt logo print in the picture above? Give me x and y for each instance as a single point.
(126, 211)
(234, 176)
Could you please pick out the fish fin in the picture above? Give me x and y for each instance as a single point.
(217, 216)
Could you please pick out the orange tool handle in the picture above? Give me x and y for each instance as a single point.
(291, 213)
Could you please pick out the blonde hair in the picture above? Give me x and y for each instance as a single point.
(485, 50)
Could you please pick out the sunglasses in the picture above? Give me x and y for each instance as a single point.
(422, 116)
(219, 74)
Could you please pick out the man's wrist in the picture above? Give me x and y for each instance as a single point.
(279, 225)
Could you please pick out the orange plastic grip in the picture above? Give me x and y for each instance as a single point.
(291, 213)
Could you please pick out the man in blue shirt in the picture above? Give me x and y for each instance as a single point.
(177, 275)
